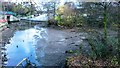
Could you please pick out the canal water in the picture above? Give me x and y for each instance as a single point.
(22, 45)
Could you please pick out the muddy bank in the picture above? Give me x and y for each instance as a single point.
(4, 39)
(54, 45)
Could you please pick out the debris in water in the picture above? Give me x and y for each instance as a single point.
(17, 46)
(3, 48)
(75, 36)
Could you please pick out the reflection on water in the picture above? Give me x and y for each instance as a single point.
(22, 45)
(42, 17)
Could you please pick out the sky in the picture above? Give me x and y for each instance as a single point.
(38, 1)
(62, 1)
(31, 0)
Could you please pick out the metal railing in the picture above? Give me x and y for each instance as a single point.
(27, 65)
(21, 63)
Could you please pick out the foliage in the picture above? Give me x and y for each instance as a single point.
(68, 17)
(59, 19)
(101, 49)
(20, 9)
(96, 13)
(101, 53)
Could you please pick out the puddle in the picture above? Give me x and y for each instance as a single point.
(34, 44)
(22, 45)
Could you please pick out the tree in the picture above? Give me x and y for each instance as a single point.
(70, 16)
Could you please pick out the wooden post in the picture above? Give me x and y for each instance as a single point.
(8, 19)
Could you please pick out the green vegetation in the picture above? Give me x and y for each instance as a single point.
(104, 46)
(67, 17)
(101, 54)
(20, 9)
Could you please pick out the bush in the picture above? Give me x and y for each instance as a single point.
(103, 50)
(52, 22)
(69, 21)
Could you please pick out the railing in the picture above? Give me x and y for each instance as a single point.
(27, 65)
(20, 63)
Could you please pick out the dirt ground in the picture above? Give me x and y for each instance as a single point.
(55, 44)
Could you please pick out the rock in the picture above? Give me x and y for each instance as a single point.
(66, 51)
(8, 26)
(72, 43)
(72, 30)
(66, 38)
(83, 38)
(3, 48)
(17, 46)
(5, 55)
(4, 59)
(2, 52)
(76, 45)
(69, 51)
(8, 42)
(75, 36)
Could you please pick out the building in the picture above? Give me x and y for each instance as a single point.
(3, 22)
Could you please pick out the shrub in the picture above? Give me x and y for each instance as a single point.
(103, 50)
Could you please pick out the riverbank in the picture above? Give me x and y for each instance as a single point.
(5, 36)
(102, 53)
(55, 45)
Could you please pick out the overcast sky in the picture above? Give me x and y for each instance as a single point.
(38, 1)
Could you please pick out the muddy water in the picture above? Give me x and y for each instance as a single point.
(22, 45)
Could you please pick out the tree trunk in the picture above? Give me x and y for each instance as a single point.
(105, 21)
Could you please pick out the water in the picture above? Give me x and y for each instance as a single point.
(22, 45)
(42, 17)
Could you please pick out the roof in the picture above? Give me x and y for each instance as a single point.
(3, 20)
(7, 13)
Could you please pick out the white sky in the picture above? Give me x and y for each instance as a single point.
(31, 0)
(39, 1)
(62, 1)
